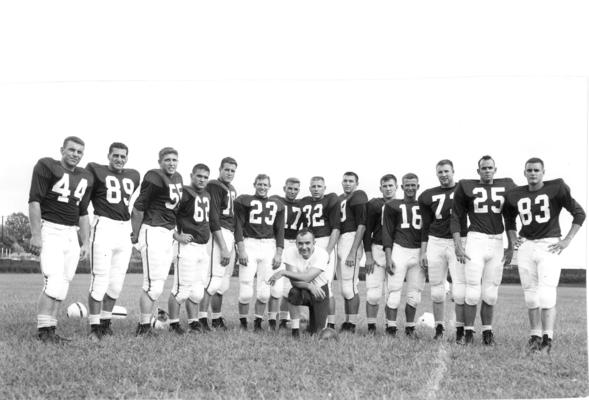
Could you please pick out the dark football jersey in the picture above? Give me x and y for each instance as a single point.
(63, 194)
(193, 214)
(353, 211)
(159, 198)
(321, 216)
(222, 197)
(259, 218)
(539, 210)
(373, 233)
(482, 203)
(436, 206)
(112, 190)
(401, 224)
(292, 218)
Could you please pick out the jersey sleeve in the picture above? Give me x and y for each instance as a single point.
(509, 212)
(359, 210)
(85, 201)
(240, 211)
(279, 227)
(388, 226)
(459, 209)
(334, 215)
(217, 196)
(571, 205)
(149, 186)
(39, 182)
(426, 217)
(371, 221)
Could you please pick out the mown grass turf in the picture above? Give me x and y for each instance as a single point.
(235, 364)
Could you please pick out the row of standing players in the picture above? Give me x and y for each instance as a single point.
(455, 227)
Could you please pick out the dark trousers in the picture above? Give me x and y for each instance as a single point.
(318, 308)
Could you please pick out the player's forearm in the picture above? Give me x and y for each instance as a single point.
(388, 254)
(457, 239)
(300, 284)
(306, 276)
(358, 237)
(84, 232)
(572, 232)
(423, 248)
(35, 218)
(136, 220)
(512, 236)
(333, 238)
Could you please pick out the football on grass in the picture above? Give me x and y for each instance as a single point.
(77, 310)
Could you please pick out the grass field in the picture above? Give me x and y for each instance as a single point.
(273, 366)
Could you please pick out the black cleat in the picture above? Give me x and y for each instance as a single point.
(295, 333)
(534, 344)
(242, 324)
(460, 335)
(195, 327)
(258, 325)
(330, 325)
(391, 331)
(468, 337)
(371, 329)
(176, 328)
(546, 345)
(105, 327)
(272, 324)
(410, 332)
(48, 335)
(219, 323)
(204, 324)
(58, 339)
(95, 334)
(488, 338)
(282, 324)
(145, 330)
(439, 332)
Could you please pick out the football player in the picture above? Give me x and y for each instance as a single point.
(154, 221)
(401, 239)
(437, 247)
(483, 257)
(191, 255)
(538, 205)
(321, 214)
(306, 268)
(292, 221)
(222, 244)
(259, 233)
(349, 249)
(376, 276)
(58, 206)
(111, 247)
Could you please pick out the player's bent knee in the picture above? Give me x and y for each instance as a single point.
(224, 285)
(373, 295)
(472, 295)
(459, 293)
(532, 299)
(547, 297)
(348, 289)
(263, 294)
(490, 295)
(114, 290)
(246, 292)
(394, 299)
(196, 295)
(414, 298)
(438, 293)
(155, 290)
(214, 285)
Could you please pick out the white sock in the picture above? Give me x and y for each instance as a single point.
(487, 328)
(105, 314)
(94, 319)
(371, 321)
(330, 319)
(295, 323)
(202, 314)
(284, 315)
(549, 334)
(391, 323)
(43, 321)
(216, 315)
(272, 315)
(145, 318)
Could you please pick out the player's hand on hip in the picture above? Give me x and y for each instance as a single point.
(317, 292)
(557, 248)
(507, 256)
(35, 245)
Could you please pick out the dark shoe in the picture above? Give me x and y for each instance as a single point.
(105, 327)
(282, 324)
(488, 338)
(546, 345)
(242, 324)
(371, 329)
(295, 333)
(534, 344)
(439, 332)
(272, 324)
(204, 325)
(332, 326)
(468, 337)
(95, 334)
(410, 332)
(176, 328)
(58, 339)
(195, 327)
(47, 335)
(219, 323)
(391, 331)
(258, 325)
(460, 335)
(145, 330)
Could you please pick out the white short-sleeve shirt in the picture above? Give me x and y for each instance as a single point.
(318, 259)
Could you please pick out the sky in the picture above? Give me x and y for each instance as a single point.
(299, 89)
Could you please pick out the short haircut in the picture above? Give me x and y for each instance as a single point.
(535, 160)
(261, 177)
(485, 158)
(304, 231)
(118, 145)
(200, 166)
(292, 180)
(355, 175)
(409, 175)
(445, 161)
(317, 178)
(74, 139)
(388, 177)
(228, 160)
(165, 151)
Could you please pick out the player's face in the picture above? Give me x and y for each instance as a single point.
(291, 190)
(306, 245)
(349, 184)
(487, 171)
(262, 186)
(169, 163)
(200, 178)
(317, 189)
(227, 172)
(410, 187)
(445, 174)
(388, 189)
(71, 154)
(117, 159)
(534, 173)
